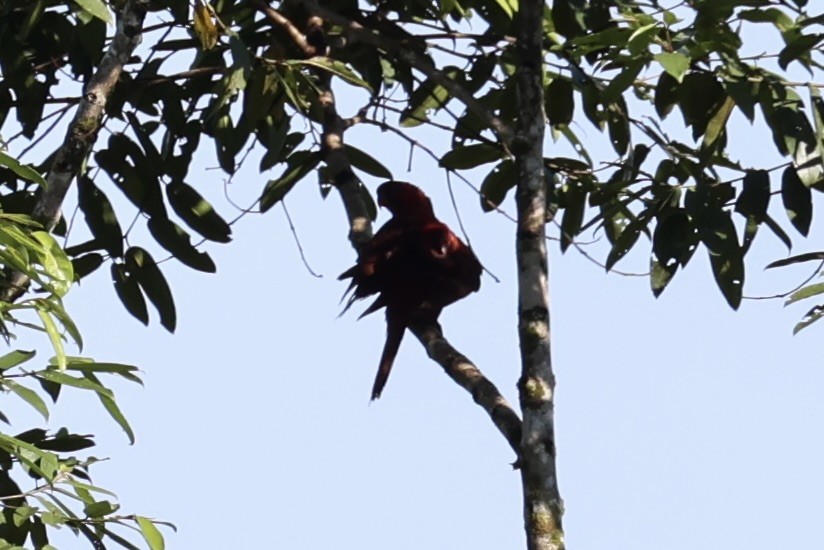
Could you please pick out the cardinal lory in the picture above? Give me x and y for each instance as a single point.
(415, 264)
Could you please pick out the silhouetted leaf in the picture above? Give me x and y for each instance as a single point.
(100, 216)
(470, 156)
(497, 184)
(129, 293)
(143, 268)
(197, 212)
(178, 242)
(298, 165)
(798, 200)
(559, 102)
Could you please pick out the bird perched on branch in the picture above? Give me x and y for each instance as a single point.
(415, 264)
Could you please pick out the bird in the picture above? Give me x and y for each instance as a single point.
(414, 264)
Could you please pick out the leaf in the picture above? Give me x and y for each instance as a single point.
(618, 126)
(717, 124)
(666, 94)
(574, 207)
(298, 165)
(197, 212)
(804, 293)
(469, 156)
(800, 258)
(334, 66)
(143, 268)
(366, 163)
(22, 170)
(152, 535)
(429, 95)
(623, 80)
(204, 27)
(114, 411)
(497, 184)
(14, 358)
(726, 256)
(86, 264)
(100, 216)
(755, 195)
(129, 293)
(626, 239)
(64, 379)
(798, 200)
(96, 8)
(559, 102)
(675, 64)
(811, 317)
(177, 241)
(54, 337)
(780, 233)
(798, 48)
(29, 396)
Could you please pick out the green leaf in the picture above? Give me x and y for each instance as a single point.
(464, 157)
(129, 293)
(197, 212)
(799, 48)
(804, 293)
(623, 80)
(428, 96)
(100, 216)
(559, 102)
(338, 68)
(96, 8)
(811, 317)
(298, 165)
(618, 126)
(114, 411)
(178, 242)
(152, 535)
(100, 509)
(497, 184)
(143, 268)
(14, 358)
(54, 337)
(59, 377)
(798, 200)
(675, 64)
(29, 396)
(627, 239)
(367, 163)
(22, 170)
(717, 124)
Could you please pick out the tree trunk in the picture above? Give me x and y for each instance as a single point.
(536, 387)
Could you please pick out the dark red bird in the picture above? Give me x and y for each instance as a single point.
(415, 264)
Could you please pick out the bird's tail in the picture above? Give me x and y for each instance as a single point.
(394, 334)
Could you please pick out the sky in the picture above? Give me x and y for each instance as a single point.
(679, 422)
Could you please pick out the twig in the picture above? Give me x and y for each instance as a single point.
(297, 241)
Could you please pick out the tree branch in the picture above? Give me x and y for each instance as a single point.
(469, 377)
(82, 132)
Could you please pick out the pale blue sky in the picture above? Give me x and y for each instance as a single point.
(679, 422)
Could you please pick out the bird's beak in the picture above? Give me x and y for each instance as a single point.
(381, 202)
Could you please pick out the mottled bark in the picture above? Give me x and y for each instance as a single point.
(536, 387)
(83, 129)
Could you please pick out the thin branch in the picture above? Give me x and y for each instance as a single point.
(297, 241)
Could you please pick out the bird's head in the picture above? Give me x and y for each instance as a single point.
(405, 200)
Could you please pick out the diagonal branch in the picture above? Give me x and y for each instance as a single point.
(83, 130)
(454, 363)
